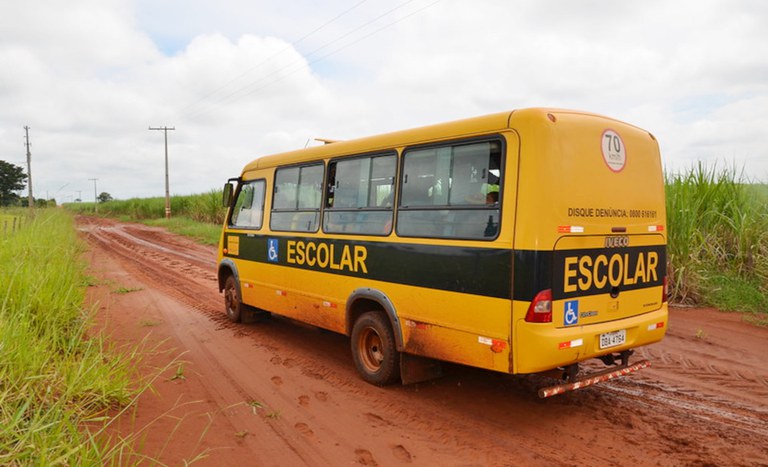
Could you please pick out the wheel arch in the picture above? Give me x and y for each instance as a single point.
(227, 267)
(365, 299)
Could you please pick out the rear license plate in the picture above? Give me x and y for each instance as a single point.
(612, 339)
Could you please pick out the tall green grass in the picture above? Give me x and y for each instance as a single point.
(718, 239)
(204, 208)
(54, 377)
(196, 216)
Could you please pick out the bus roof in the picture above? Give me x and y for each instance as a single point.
(454, 129)
(459, 128)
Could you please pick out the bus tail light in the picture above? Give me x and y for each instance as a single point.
(540, 310)
(665, 290)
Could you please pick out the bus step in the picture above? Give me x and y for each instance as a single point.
(594, 378)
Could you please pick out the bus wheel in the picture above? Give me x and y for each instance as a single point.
(232, 300)
(373, 349)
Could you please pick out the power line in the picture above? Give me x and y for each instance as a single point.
(226, 98)
(279, 52)
(360, 39)
(298, 65)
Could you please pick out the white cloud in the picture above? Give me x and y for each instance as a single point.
(240, 78)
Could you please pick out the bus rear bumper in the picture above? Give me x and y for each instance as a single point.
(541, 347)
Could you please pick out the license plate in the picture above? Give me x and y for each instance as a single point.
(612, 339)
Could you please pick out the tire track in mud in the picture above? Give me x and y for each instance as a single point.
(688, 406)
(168, 271)
(747, 419)
(156, 267)
(160, 267)
(713, 375)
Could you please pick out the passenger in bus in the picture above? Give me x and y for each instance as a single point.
(492, 198)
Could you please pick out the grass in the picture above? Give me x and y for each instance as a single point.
(126, 290)
(202, 232)
(718, 239)
(196, 216)
(179, 375)
(54, 378)
(204, 208)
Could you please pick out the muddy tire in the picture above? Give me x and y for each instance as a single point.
(374, 350)
(232, 303)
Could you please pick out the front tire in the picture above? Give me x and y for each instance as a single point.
(232, 303)
(374, 350)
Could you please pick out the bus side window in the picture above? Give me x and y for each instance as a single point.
(248, 210)
(362, 192)
(297, 198)
(451, 191)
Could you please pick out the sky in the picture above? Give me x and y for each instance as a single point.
(237, 79)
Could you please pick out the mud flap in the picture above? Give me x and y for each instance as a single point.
(593, 378)
(415, 369)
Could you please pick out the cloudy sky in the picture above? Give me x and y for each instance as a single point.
(242, 78)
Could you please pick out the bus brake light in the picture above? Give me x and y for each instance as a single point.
(540, 310)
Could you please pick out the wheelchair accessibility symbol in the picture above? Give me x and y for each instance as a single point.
(571, 315)
(272, 255)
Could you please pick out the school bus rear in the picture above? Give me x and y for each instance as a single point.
(590, 241)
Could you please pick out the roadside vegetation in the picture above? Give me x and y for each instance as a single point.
(57, 381)
(718, 240)
(717, 227)
(196, 216)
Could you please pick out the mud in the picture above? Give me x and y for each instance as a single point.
(275, 392)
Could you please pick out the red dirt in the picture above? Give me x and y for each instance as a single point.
(275, 392)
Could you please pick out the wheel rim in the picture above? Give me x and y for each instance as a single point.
(369, 347)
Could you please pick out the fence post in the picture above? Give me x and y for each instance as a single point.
(5, 228)
(13, 230)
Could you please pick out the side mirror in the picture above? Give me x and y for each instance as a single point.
(226, 197)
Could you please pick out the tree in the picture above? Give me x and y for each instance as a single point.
(104, 197)
(12, 178)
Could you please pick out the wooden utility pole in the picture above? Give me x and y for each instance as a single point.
(167, 190)
(31, 201)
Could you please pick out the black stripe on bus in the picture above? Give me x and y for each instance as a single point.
(585, 272)
(477, 271)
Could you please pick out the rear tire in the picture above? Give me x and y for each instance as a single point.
(232, 304)
(374, 350)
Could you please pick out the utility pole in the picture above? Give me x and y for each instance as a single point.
(29, 168)
(95, 198)
(167, 190)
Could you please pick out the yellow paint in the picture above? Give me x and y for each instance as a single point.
(233, 245)
(555, 175)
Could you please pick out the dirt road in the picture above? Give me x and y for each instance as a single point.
(278, 393)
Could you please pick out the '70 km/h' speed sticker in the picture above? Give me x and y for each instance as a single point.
(614, 152)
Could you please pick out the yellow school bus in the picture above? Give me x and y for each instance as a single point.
(519, 242)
